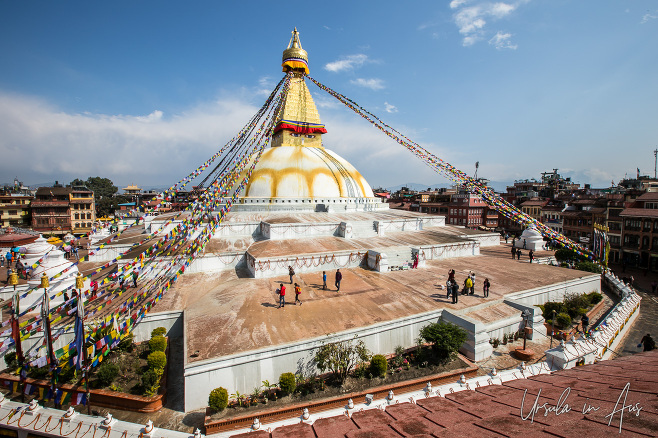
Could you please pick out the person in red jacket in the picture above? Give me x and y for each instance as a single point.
(282, 296)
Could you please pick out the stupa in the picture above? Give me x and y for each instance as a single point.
(307, 208)
(298, 173)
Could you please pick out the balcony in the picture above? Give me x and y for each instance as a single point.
(36, 204)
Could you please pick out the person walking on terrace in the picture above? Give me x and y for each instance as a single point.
(648, 342)
(339, 277)
(298, 291)
(282, 296)
(291, 272)
(485, 287)
(324, 280)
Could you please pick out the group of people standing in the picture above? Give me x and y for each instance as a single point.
(298, 288)
(452, 286)
(516, 252)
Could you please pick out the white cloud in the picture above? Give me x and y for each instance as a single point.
(373, 83)
(350, 62)
(265, 86)
(502, 41)
(471, 19)
(648, 17)
(41, 143)
(390, 108)
(456, 3)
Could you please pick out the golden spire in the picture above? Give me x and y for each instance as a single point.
(297, 122)
(294, 57)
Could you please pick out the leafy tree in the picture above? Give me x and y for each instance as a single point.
(102, 187)
(77, 182)
(341, 357)
(446, 338)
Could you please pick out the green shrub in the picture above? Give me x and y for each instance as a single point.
(378, 366)
(589, 267)
(564, 254)
(151, 381)
(595, 297)
(10, 360)
(158, 343)
(218, 399)
(159, 331)
(446, 338)
(106, 373)
(287, 383)
(126, 343)
(156, 360)
(549, 307)
(563, 320)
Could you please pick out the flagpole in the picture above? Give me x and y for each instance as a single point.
(52, 361)
(16, 332)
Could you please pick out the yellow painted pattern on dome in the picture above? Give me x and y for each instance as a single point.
(305, 172)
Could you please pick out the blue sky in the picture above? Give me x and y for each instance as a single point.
(143, 92)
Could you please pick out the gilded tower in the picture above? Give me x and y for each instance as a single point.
(297, 172)
(298, 122)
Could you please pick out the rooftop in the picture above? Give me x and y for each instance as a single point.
(246, 307)
(505, 410)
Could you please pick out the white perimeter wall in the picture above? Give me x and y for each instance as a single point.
(244, 371)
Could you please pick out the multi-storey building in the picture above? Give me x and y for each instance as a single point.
(51, 210)
(551, 215)
(579, 217)
(533, 207)
(640, 232)
(83, 211)
(614, 223)
(15, 210)
(466, 209)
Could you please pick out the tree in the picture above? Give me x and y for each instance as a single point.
(446, 338)
(102, 187)
(77, 182)
(341, 357)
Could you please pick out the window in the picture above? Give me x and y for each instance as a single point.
(77, 215)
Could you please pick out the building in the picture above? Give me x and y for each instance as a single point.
(533, 207)
(15, 210)
(83, 209)
(132, 190)
(640, 232)
(51, 210)
(466, 209)
(551, 215)
(579, 219)
(614, 222)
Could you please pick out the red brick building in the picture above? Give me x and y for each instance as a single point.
(51, 210)
(640, 232)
